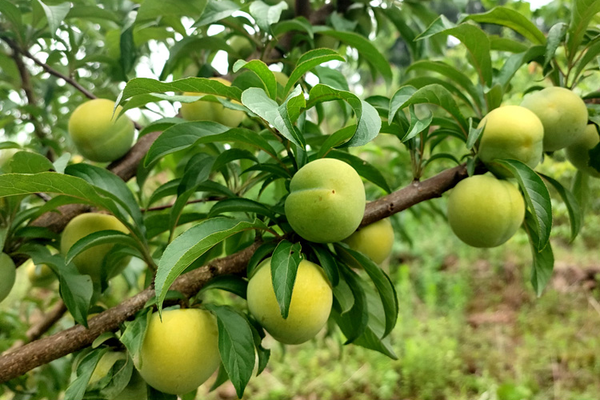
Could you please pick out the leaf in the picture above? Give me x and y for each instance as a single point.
(514, 62)
(417, 125)
(543, 259)
(265, 250)
(262, 71)
(382, 282)
(92, 12)
(216, 10)
(308, 61)
(190, 45)
(353, 323)
(236, 345)
(363, 168)
(55, 14)
(127, 50)
(231, 283)
(152, 9)
(512, 19)
(590, 55)
(474, 39)
(327, 262)
(556, 35)
(25, 162)
(573, 208)
(368, 121)
(193, 243)
(284, 265)
(12, 14)
(134, 334)
(474, 134)
(300, 24)
(582, 13)
(536, 196)
(259, 103)
(241, 205)
(182, 136)
(99, 238)
(266, 15)
(431, 94)
(85, 369)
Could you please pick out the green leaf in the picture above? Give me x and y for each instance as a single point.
(284, 266)
(152, 9)
(582, 13)
(368, 121)
(55, 14)
(515, 61)
(24, 162)
(85, 369)
(231, 283)
(308, 61)
(417, 125)
(383, 284)
(300, 24)
(262, 71)
(12, 14)
(266, 15)
(543, 259)
(366, 49)
(474, 134)
(236, 345)
(364, 169)
(591, 54)
(189, 45)
(92, 12)
(327, 262)
(264, 251)
(135, 332)
(353, 322)
(99, 238)
(512, 19)
(536, 196)
(474, 39)
(193, 243)
(241, 205)
(573, 208)
(422, 81)
(259, 103)
(556, 35)
(216, 10)
(430, 94)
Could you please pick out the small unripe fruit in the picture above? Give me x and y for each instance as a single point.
(326, 202)
(39, 275)
(310, 306)
(8, 274)
(563, 114)
(96, 133)
(578, 153)
(374, 240)
(512, 132)
(90, 261)
(180, 353)
(484, 211)
(203, 110)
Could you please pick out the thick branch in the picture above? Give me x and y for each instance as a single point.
(60, 344)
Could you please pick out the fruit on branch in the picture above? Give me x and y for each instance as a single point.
(204, 110)
(8, 274)
(563, 114)
(181, 352)
(310, 306)
(375, 240)
(511, 132)
(90, 261)
(579, 152)
(39, 275)
(484, 211)
(326, 42)
(96, 133)
(242, 46)
(326, 202)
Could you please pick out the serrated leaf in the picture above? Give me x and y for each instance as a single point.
(556, 35)
(308, 61)
(284, 266)
(543, 259)
(193, 243)
(216, 10)
(536, 196)
(55, 14)
(85, 369)
(135, 332)
(573, 208)
(236, 345)
(512, 19)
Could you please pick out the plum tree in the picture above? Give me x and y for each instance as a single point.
(90, 261)
(310, 306)
(484, 211)
(578, 153)
(8, 274)
(96, 133)
(326, 201)
(203, 110)
(563, 114)
(374, 240)
(180, 352)
(39, 275)
(511, 132)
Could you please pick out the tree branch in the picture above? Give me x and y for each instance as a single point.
(50, 348)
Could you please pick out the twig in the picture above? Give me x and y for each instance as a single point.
(164, 207)
(62, 343)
